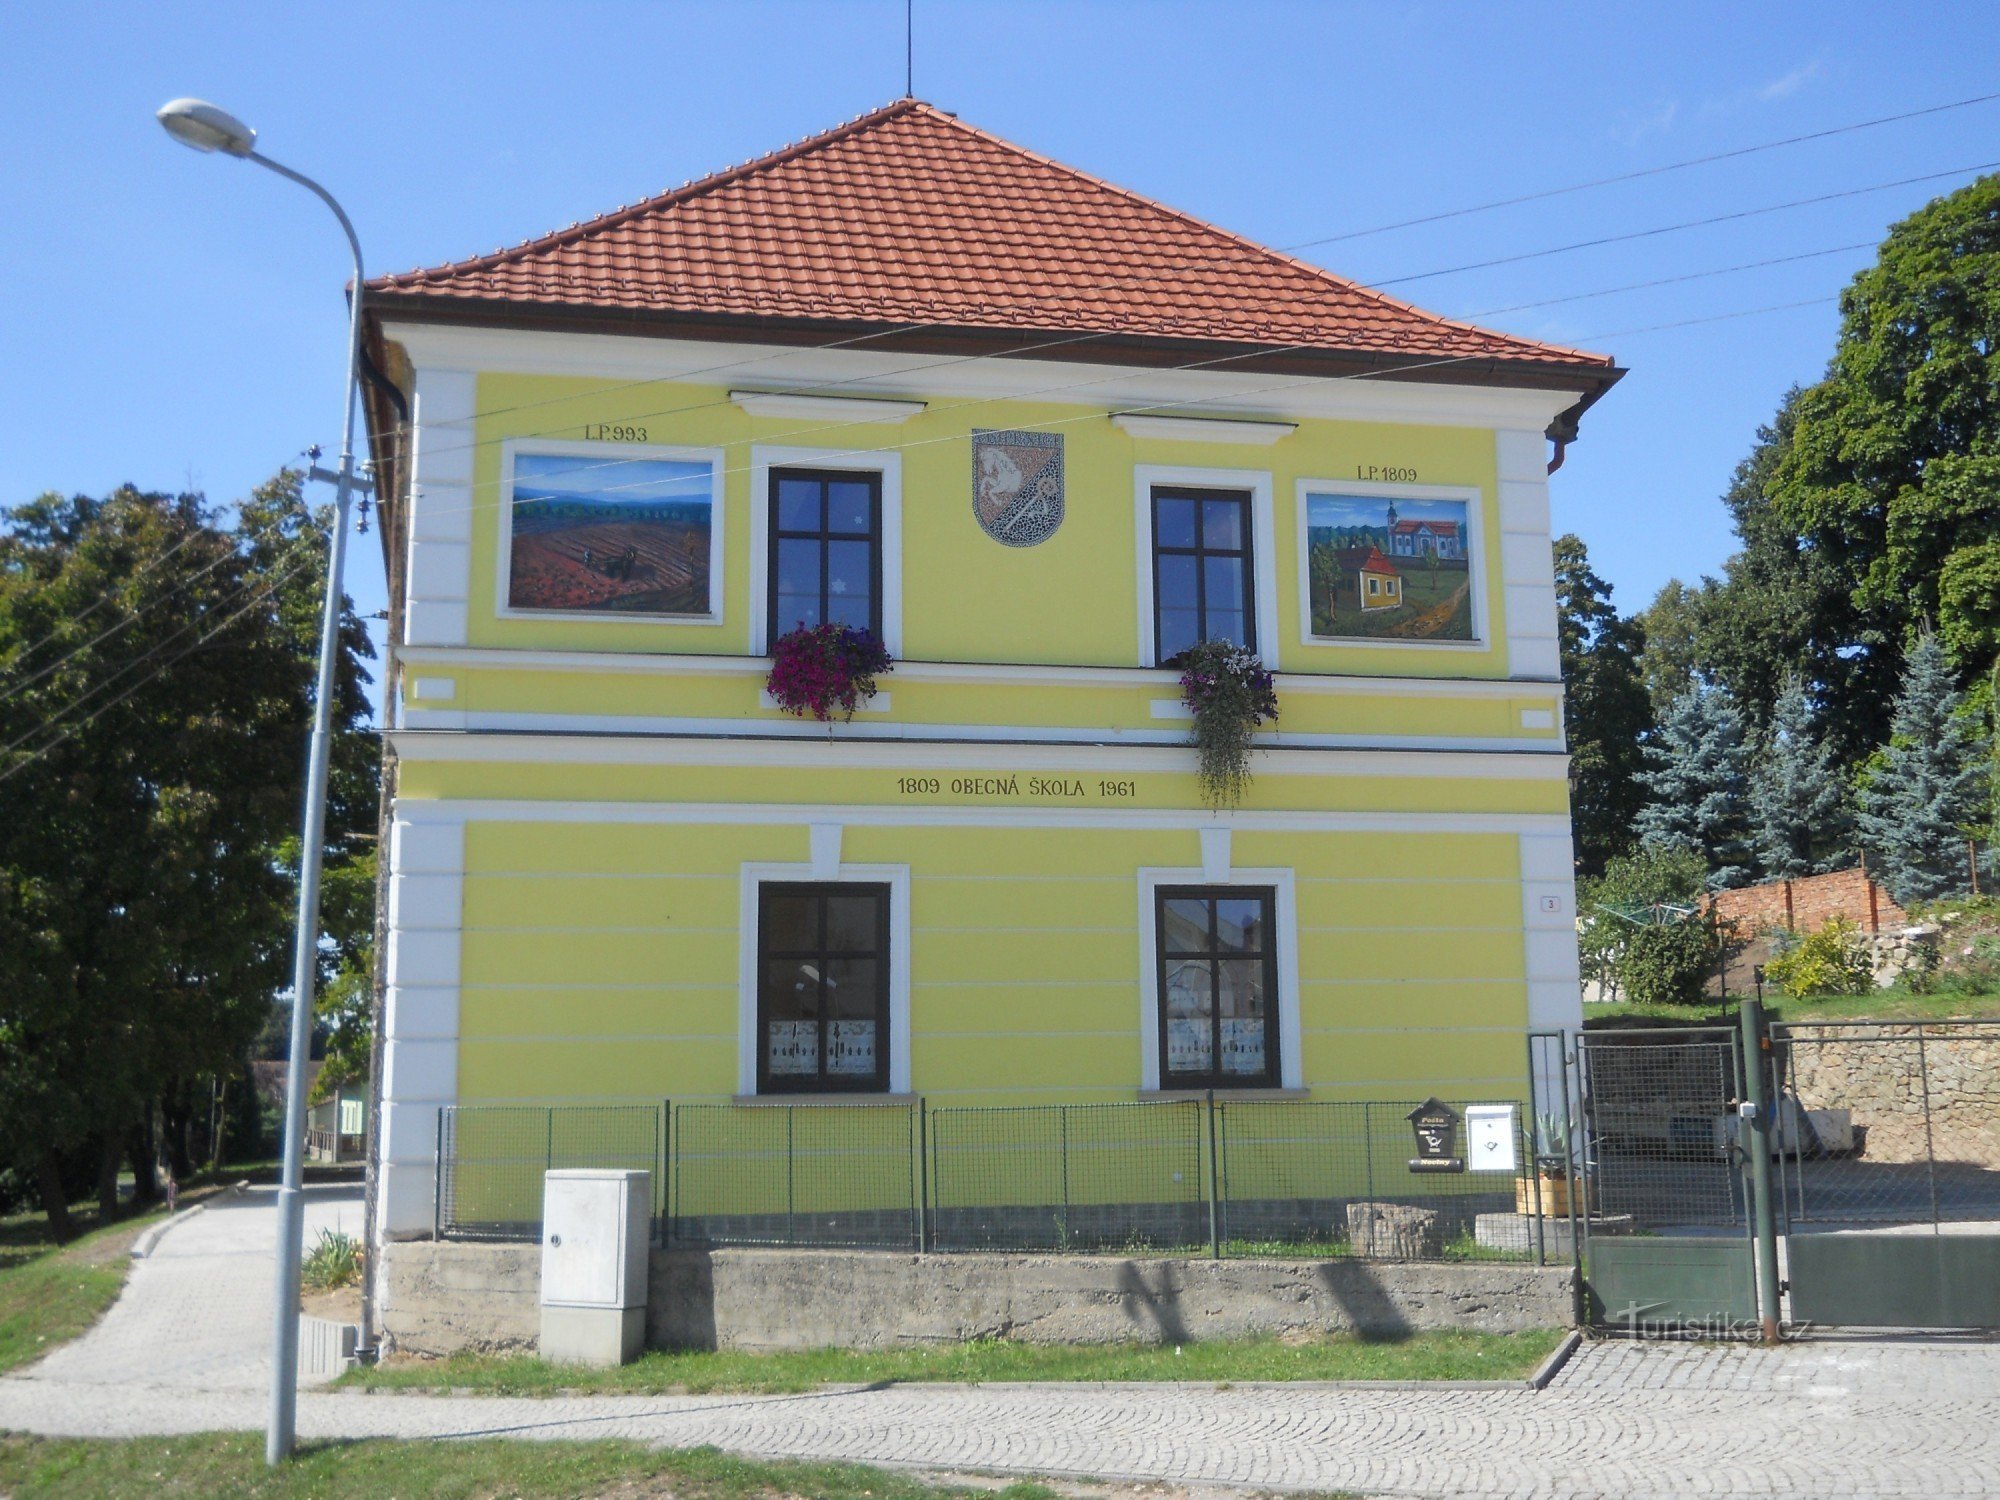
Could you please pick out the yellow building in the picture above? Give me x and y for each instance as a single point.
(1039, 435)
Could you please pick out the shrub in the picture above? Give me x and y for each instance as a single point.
(1831, 961)
(1647, 928)
(1230, 694)
(824, 669)
(334, 1260)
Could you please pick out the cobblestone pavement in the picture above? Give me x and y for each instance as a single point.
(182, 1352)
(196, 1313)
(1832, 1420)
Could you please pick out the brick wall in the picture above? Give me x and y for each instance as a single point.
(1806, 904)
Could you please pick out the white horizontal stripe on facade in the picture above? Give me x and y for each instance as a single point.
(978, 673)
(447, 811)
(816, 754)
(420, 719)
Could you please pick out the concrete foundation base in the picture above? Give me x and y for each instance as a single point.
(446, 1296)
(1516, 1232)
(600, 1336)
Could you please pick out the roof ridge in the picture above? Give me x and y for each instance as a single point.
(687, 191)
(1196, 221)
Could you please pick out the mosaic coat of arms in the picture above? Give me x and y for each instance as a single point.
(1017, 485)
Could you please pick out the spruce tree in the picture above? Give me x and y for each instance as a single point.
(1798, 803)
(1928, 785)
(1699, 785)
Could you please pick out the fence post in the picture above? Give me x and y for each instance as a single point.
(791, 1229)
(923, 1180)
(1063, 1118)
(437, 1187)
(1930, 1150)
(1754, 1044)
(1214, 1184)
(666, 1137)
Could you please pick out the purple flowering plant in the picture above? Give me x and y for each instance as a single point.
(1230, 695)
(824, 670)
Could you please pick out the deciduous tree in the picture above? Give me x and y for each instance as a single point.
(1606, 709)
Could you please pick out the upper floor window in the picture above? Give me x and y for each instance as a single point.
(1202, 570)
(822, 987)
(825, 550)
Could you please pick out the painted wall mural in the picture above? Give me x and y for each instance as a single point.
(608, 535)
(1382, 568)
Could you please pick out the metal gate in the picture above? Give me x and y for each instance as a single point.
(1667, 1242)
(1886, 1144)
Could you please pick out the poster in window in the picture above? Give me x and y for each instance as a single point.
(793, 1048)
(1242, 1046)
(1380, 568)
(850, 1048)
(597, 534)
(1190, 1045)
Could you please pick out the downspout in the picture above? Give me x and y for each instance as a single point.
(392, 523)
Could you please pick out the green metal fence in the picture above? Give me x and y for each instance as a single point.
(1214, 1176)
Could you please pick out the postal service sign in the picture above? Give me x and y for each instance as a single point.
(1017, 485)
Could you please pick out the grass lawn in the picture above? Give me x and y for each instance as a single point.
(232, 1464)
(1422, 1356)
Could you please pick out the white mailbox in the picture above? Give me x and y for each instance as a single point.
(1489, 1137)
(596, 1257)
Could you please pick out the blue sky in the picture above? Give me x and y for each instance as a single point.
(175, 320)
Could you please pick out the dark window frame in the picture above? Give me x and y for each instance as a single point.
(1165, 958)
(775, 535)
(819, 890)
(1200, 552)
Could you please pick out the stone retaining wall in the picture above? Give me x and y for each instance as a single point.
(1876, 1073)
(446, 1296)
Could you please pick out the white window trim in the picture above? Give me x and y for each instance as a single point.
(610, 452)
(897, 878)
(1291, 1068)
(764, 458)
(1475, 525)
(1263, 545)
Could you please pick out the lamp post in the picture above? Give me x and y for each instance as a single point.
(204, 127)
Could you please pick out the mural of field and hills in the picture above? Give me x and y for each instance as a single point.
(1415, 552)
(627, 536)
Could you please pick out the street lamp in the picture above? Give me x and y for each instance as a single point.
(202, 126)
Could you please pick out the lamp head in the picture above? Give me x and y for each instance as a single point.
(199, 124)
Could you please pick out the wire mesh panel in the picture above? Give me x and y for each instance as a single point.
(491, 1160)
(1337, 1178)
(1884, 1123)
(1659, 1128)
(796, 1174)
(1069, 1177)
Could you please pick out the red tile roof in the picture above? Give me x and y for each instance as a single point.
(1369, 560)
(911, 216)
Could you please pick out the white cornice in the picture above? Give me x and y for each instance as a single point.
(1202, 429)
(814, 406)
(448, 812)
(820, 753)
(476, 658)
(1211, 393)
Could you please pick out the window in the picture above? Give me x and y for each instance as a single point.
(1201, 570)
(825, 550)
(822, 988)
(1218, 987)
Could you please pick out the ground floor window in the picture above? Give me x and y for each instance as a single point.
(1218, 986)
(822, 987)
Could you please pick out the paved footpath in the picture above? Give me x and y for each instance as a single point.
(1823, 1419)
(196, 1313)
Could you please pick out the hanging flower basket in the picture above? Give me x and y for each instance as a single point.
(825, 670)
(1230, 694)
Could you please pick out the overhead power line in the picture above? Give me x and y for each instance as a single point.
(1454, 213)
